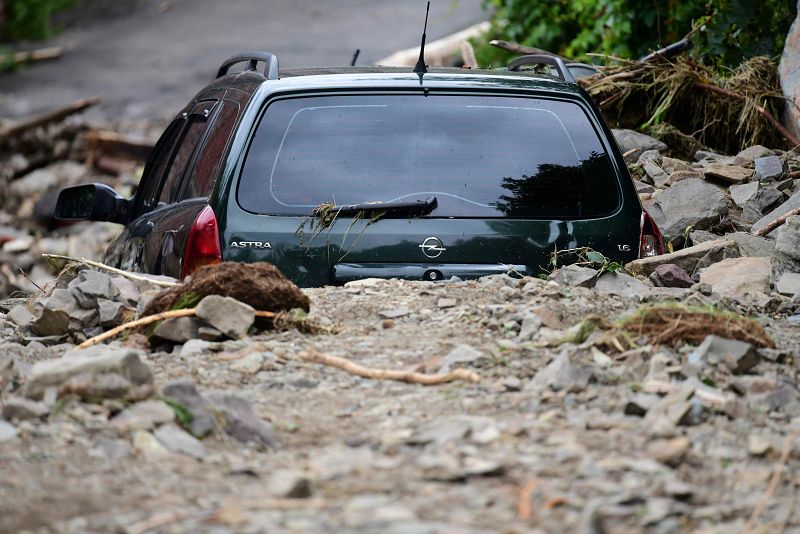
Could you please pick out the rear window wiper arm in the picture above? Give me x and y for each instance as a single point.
(401, 207)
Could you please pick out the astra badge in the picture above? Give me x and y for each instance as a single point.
(251, 244)
(432, 247)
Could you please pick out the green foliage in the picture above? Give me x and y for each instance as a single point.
(30, 19)
(728, 30)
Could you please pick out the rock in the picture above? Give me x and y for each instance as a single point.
(394, 313)
(249, 364)
(670, 275)
(689, 203)
(104, 386)
(460, 355)
(531, 323)
(561, 375)
(226, 314)
(704, 157)
(648, 156)
(738, 356)
(128, 291)
(701, 236)
(770, 168)
(754, 198)
(58, 174)
(241, 422)
(786, 255)
(788, 284)
(672, 165)
(575, 276)
(621, 284)
(729, 174)
(789, 72)
(148, 446)
(50, 323)
(750, 154)
(686, 258)
(643, 188)
(178, 329)
(752, 245)
(7, 431)
(758, 445)
(629, 140)
(194, 347)
(209, 333)
(656, 174)
(184, 393)
(679, 176)
(22, 409)
(668, 451)
(744, 193)
(783, 209)
(738, 278)
(289, 484)
(143, 416)
(21, 316)
(95, 360)
(113, 313)
(176, 439)
(446, 303)
(92, 285)
(672, 410)
(640, 403)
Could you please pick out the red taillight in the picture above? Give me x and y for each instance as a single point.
(650, 241)
(202, 247)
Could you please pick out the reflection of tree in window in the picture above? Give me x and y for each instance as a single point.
(557, 190)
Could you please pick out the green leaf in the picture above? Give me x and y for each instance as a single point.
(595, 257)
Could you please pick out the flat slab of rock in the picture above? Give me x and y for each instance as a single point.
(629, 140)
(621, 284)
(788, 284)
(176, 439)
(783, 209)
(738, 278)
(730, 174)
(178, 329)
(686, 258)
(770, 168)
(738, 356)
(691, 202)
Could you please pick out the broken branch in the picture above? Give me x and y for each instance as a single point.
(776, 223)
(31, 56)
(48, 117)
(468, 55)
(98, 265)
(522, 49)
(388, 374)
(144, 321)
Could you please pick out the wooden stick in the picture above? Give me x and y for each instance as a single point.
(126, 274)
(468, 55)
(524, 502)
(523, 49)
(764, 113)
(144, 321)
(31, 56)
(773, 483)
(48, 117)
(776, 223)
(388, 374)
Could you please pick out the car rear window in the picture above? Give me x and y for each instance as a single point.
(480, 156)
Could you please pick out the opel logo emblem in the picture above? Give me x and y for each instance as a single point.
(432, 247)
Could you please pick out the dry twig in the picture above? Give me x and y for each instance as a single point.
(98, 265)
(47, 118)
(776, 223)
(388, 374)
(524, 502)
(144, 321)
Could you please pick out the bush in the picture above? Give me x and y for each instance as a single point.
(29, 19)
(734, 30)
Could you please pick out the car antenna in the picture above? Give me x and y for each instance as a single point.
(355, 57)
(421, 68)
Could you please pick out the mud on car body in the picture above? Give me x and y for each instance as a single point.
(339, 174)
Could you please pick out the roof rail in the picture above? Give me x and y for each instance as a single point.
(543, 59)
(252, 58)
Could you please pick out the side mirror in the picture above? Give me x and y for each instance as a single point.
(92, 202)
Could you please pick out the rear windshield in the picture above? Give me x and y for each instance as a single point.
(480, 156)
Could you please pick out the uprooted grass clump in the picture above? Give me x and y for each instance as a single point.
(691, 105)
(261, 285)
(678, 325)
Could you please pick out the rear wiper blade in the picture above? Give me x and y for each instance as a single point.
(403, 207)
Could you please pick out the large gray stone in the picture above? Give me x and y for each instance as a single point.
(143, 416)
(176, 439)
(752, 245)
(786, 256)
(240, 421)
(628, 141)
(562, 375)
(178, 329)
(770, 168)
(184, 393)
(50, 323)
(92, 285)
(226, 314)
(750, 154)
(788, 284)
(575, 276)
(691, 202)
(789, 71)
(738, 356)
(686, 258)
(738, 278)
(95, 360)
(22, 409)
(783, 209)
(730, 174)
(621, 284)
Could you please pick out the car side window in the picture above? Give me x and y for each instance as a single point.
(156, 165)
(203, 175)
(197, 122)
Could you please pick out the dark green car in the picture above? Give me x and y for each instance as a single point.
(340, 174)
